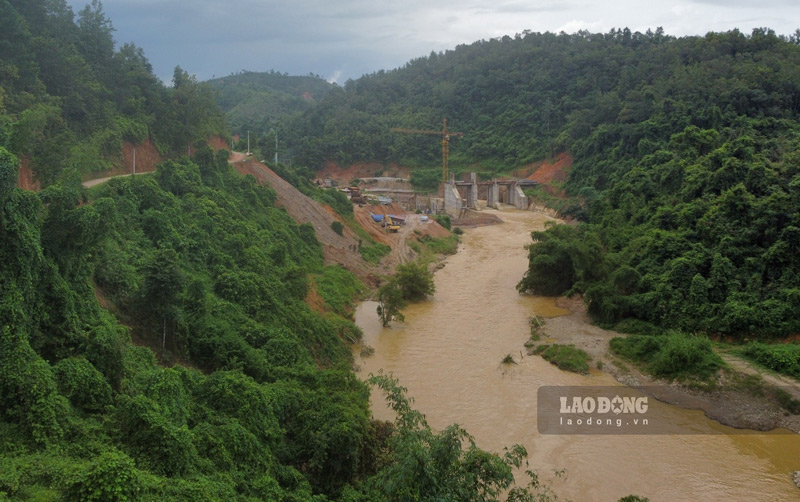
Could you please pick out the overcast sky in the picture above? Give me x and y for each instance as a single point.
(343, 39)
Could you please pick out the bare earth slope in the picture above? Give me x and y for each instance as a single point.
(341, 249)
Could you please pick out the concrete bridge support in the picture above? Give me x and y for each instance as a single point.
(493, 195)
(472, 191)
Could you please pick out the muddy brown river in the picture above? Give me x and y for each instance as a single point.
(448, 354)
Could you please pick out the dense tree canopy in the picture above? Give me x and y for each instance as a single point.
(685, 161)
(68, 98)
(263, 104)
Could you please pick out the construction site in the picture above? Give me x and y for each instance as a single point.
(458, 197)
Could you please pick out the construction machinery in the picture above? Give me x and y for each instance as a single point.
(356, 197)
(445, 134)
(389, 224)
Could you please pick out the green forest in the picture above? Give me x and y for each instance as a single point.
(155, 339)
(262, 103)
(686, 167)
(69, 98)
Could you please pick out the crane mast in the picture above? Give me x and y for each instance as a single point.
(445, 134)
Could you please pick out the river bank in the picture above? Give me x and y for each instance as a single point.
(739, 398)
(449, 354)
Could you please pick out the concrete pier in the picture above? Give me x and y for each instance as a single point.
(514, 196)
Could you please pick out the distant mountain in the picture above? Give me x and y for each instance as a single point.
(260, 101)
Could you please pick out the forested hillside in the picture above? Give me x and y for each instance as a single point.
(156, 342)
(234, 390)
(69, 98)
(263, 103)
(686, 166)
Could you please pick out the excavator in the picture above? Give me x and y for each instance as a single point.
(390, 225)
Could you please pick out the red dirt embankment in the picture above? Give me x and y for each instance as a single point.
(147, 158)
(361, 170)
(549, 171)
(341, 249)
(25, 177)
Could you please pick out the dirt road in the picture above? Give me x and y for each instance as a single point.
(786, 383)
(91, 183)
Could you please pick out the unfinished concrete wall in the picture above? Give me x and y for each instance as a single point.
(452, 200)
(520, 199)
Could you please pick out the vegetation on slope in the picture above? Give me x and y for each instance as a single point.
(691, 192)
(203, 269)
(68, 98)
(262, 103)
(207, 271)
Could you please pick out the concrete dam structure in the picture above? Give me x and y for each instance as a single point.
(494, 192)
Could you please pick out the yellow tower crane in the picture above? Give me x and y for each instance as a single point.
(445, 134)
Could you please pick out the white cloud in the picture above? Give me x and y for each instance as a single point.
(334, 79)
(353, 37)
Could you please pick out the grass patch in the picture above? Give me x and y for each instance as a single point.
(340, 289)
(536, 324)
(752, 384)
(374, 252)
(782, 358)
(508, 360)
(566, 357)
(675, 356)
(436, 246)
(788, 403)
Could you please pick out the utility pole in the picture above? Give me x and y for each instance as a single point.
(276, 146)
(134, 161)
(248, 142)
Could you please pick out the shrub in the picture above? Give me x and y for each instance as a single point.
(110, 478)
(164, 446)
(566, 357)
(82, 384)
(390, 303)
(337, 227)
(676, 355)
(443, 220)
(415, 281)
(783, 358)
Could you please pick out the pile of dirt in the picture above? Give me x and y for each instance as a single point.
(476, 219)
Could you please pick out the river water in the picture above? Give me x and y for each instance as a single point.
(448, 354)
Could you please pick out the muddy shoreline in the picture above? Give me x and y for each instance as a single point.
(734, 401)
